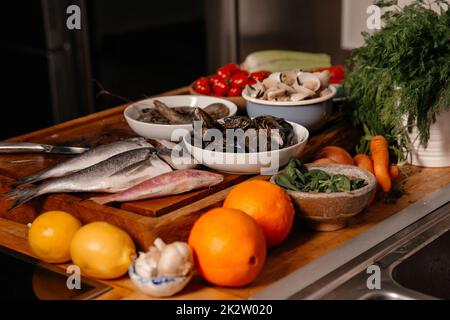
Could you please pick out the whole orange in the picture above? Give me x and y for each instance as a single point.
(229, 247)
(268, 204)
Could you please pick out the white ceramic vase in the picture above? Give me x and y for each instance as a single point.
(437, 153)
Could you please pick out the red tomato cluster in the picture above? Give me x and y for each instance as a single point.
(337, 73)
(229, 81)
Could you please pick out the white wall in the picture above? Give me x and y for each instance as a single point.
(354, 18)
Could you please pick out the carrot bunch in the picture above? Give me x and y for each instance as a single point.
(377, 163)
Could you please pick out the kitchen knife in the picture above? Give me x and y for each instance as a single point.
(28, 147)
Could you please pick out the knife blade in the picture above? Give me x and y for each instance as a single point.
(28, 147)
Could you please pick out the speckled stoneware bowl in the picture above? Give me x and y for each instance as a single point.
(332, 211)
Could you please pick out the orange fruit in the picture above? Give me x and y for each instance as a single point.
(229, 247)
(268, 204)
(324, 161)
(336, 154)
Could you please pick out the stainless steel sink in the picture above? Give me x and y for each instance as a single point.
(427, 270)
(410, 252)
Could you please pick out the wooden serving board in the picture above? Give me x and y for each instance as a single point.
(170, 217)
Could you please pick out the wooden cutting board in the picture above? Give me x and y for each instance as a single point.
(169, 217)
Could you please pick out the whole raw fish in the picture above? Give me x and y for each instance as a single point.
(87, 159)
(171, 183)
(115, 174)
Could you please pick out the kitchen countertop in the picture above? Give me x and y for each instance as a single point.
(302, 246)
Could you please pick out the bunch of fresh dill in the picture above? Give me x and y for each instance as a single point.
(402, 73)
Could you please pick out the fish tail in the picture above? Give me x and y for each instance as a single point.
(102, 200)
(27, 180)
(20, 196)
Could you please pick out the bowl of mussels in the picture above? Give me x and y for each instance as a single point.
(244, 145)
(171, 117)
(302, 97)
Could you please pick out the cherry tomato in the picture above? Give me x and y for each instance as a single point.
(202, 86)
(239, 80)
(260, 75)
(221, 87)
(214, 79)
(232, 68)
(243, 72)
(336, 73)
(251, 81)
(235, 92)
(223, 73)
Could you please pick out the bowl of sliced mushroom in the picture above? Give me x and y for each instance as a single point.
(302, 97)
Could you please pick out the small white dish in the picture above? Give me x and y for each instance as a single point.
(166, 131)
(265, 163)
(159, 287)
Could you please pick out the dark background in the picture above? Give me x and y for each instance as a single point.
(138, 48)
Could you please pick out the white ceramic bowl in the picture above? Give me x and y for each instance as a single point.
(165, 131)
(265, 163)
(312, 114)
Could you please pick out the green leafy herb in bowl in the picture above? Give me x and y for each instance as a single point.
(297, 177)
(327, 195)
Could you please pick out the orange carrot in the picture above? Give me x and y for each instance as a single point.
(363, 161)
(394, 172)
(380, 156)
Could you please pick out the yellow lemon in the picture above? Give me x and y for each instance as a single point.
(50, 235)
(102, 250)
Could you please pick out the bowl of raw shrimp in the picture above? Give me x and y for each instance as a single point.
(171, 117)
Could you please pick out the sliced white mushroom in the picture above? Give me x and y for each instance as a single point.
(256, 90)
(270, 83)
(293, 85)
(302, 93)
(288, 77)
(324, 78)
(288, 89)
(274, 93)
(275, 76)
(298, 97)
(309, 81)
(284, 99)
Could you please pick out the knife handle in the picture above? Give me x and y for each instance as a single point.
(22, 147)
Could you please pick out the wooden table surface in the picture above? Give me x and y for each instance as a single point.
(302, 246)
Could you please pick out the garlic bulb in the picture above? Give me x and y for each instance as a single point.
(164, 270)
(176, 260)
(147, 263)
